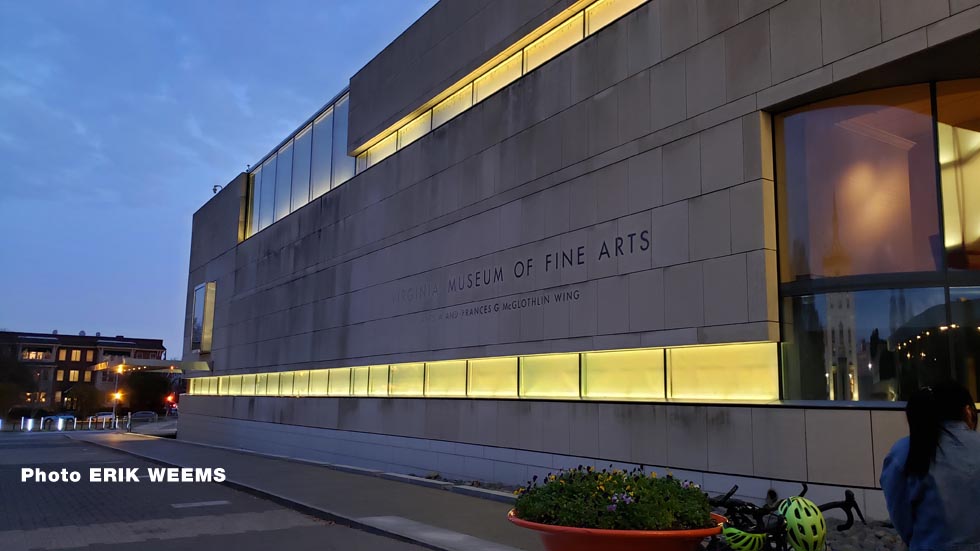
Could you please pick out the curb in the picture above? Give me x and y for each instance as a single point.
(417, 480)
(317, 512)
(483, 493)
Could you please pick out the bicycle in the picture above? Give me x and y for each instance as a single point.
(794, 523)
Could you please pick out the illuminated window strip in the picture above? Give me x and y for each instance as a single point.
(543, 44)
(717, 373)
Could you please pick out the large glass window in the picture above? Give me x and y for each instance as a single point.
(322, 152)
(302, 144)
(857, 186)
(267, 201)
(202, 317)
(284, 180)
(864, 345)
(958, 110)
(343, 164)
(858, 200)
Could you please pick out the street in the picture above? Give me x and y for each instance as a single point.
(154, 516)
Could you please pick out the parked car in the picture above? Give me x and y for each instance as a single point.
(101, 416)
(144, 416)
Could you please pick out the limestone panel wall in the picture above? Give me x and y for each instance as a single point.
(841, 447)
(510, 441)
(654, 124)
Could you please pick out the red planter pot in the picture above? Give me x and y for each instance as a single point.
(565, 538)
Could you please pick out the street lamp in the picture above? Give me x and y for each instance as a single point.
(116, 395)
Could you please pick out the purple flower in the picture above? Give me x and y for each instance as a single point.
(611, 507)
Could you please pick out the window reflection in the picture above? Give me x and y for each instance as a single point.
(964, 332)
(284, 177)
(850, 171)
(322, 150)
(958, 105)
(864, 345)
(267, 200)
(343, 164)
(300, 194)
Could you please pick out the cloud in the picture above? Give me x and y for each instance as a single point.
(239, 95)
(30, 70)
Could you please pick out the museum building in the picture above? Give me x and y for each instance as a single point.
(724, 239)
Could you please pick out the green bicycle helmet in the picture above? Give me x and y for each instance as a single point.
(806, 529)
(740, 540)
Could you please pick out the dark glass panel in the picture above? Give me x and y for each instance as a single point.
(864, 345)
(301, 169)
(267, 200)
(343, 165)
(197, 323)
(284, 180)
(322, 152)
(857, 186)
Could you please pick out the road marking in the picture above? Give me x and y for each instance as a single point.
(199, 504)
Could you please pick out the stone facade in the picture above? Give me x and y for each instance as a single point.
(650, 140)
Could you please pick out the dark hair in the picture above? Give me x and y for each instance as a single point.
(927, 411)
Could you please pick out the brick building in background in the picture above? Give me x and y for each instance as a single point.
(57, 362)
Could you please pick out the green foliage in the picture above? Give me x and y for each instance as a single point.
(88, 399)
(146, 391)
(617, 500)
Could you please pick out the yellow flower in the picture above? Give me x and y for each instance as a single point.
(653, 474)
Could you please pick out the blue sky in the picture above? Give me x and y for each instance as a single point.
(117, 118)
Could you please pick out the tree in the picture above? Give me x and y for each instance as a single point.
(15, 381)
(88, 399)
(147, 391)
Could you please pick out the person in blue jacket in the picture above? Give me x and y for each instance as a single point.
(931, 478)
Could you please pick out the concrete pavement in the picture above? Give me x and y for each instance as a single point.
(428, 516)
(151, 516)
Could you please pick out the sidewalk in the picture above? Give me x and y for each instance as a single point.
(432, 517)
